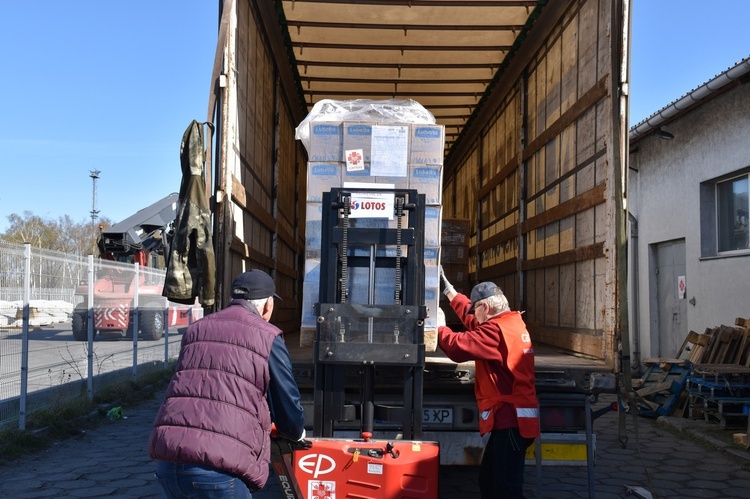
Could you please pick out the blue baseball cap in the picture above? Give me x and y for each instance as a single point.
(481, 291)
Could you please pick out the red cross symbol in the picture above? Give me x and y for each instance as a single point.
(320, 489)
(354, 158)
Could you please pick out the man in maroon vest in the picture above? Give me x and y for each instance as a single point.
(233, 377)
(497, 341)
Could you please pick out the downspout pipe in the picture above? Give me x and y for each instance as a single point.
(635, 322)
(657, 119)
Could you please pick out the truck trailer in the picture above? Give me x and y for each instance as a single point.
(532, 96)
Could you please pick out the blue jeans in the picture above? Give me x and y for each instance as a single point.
(182, 481)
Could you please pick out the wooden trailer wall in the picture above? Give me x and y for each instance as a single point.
(540, 182)
(260, 173)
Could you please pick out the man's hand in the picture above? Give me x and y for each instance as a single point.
(447, 286)
(303, 443)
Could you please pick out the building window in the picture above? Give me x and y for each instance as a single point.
(732, 214)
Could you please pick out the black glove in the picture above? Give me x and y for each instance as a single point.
(303, 444)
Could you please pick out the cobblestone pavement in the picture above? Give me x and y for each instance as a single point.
(684, 458)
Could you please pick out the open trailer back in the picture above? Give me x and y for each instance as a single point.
(533, 99)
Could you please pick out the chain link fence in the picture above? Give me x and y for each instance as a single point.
(68, 326)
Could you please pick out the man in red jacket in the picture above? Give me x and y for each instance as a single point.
(498, 342)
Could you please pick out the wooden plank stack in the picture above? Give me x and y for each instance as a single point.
(709, 379)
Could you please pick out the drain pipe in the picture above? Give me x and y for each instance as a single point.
(635, 286)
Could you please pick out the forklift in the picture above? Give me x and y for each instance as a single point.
(370, 324)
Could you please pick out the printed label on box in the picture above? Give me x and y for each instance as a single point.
(390, 148)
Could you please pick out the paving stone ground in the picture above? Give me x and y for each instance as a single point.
(685, 459)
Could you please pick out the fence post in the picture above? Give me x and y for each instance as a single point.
(136, 319)
(25, 334)
(90, 323)
(166, 333)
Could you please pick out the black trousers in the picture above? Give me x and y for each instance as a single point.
(501, 471)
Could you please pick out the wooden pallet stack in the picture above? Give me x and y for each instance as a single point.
(709, 378)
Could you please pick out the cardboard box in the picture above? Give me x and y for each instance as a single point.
(362, 175)
(454, 254)
(326, 141)
(431, 256)
(458, 275)
(431, 301)
(427, 180)
(310, 293)
(313, 229)
(427, 144)
(321, 177)
(432, 216)
(455, 231)
(357, 136)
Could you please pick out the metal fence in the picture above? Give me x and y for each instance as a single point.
(68, 323)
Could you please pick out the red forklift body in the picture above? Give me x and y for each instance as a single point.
(379, 469)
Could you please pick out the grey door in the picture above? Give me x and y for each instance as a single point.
(670, 273)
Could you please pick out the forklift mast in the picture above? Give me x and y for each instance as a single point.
(372, 306)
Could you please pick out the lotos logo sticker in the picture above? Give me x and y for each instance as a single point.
(368, 205)
(316, 464)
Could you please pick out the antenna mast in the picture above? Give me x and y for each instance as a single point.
(94, 174)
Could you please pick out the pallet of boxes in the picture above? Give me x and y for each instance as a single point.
(389, 144)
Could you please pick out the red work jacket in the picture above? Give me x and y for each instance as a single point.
(504, 359)
(520, 362)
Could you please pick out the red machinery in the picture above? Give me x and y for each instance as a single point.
(355, 337)
(137, 239)
(363, 468)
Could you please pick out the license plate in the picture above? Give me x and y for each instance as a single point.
(437, 415)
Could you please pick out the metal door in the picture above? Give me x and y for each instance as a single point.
(671, 284)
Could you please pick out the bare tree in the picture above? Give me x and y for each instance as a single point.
(62, 234)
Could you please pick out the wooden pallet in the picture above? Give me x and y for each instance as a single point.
(719, 345)
(659, 391)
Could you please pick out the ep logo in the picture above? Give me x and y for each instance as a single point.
(316, 464)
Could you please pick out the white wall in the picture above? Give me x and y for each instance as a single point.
(663, 194)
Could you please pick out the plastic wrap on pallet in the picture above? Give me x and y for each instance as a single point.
(386, 111)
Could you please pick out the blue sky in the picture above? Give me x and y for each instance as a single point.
(111, 86)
